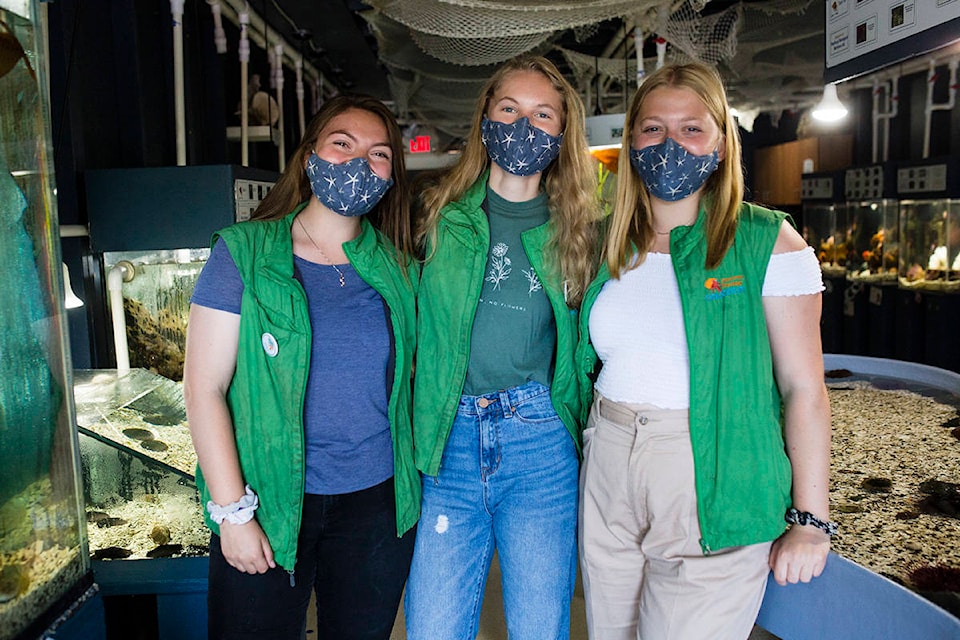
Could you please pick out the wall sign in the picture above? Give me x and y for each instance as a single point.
(865, 35)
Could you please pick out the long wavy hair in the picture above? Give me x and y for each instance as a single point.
(391, 215)
(631, 225)
(570, 182)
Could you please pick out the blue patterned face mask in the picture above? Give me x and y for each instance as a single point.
(350, 189)
(670, 172)
(519, 148)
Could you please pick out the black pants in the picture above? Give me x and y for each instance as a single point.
(348, 551)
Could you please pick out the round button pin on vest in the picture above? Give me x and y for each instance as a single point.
(270, 346)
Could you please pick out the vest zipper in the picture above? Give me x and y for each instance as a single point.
(293, 581)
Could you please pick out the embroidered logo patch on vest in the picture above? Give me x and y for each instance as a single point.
(722, 287)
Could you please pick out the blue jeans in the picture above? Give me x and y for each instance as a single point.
(348, 553)
(507, 482)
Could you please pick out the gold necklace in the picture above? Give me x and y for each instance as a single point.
(325, 257)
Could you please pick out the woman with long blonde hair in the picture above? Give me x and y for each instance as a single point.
(509, 244)
(709, 429)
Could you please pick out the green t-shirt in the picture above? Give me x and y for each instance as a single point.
(514, 332)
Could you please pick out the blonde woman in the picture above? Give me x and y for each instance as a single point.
(710, 425)
(509, 243)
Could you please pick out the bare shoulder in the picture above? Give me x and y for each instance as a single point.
(788, 239)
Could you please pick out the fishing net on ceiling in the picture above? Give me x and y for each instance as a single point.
(424, 88)
(440, 52)
(780, 57)
(770, 54)
(478, 32)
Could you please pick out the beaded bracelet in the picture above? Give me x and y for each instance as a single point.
(806, 518)
(239, 512)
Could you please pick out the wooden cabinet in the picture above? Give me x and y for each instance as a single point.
(777, 169)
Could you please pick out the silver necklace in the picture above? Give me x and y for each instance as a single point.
(325, 257)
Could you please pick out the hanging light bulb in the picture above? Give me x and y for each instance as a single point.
(70, 299)
(829, 109)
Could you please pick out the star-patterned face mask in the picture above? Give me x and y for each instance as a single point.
(350, 189)
(519, 148)
(670, 172)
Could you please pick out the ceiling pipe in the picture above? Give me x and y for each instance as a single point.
(638, 49)
(263, 35)
(301, 93)
(243, 20)
(278, 74)
(176, 9)
(219, 35)
(943, 106)
(892, 95)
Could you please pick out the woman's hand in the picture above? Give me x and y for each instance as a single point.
(245, 547)
(799, 555)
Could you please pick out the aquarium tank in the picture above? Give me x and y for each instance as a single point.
(930, 244)
(825, 228)
(44, 564)
(138, 466)
(874, 241)
(155, 291)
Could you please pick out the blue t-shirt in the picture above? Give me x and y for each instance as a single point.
(346, 427)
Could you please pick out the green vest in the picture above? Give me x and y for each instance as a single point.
(267, 393)
(450, 285)
(743, 475)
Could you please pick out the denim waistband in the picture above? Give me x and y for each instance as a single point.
(503, 400)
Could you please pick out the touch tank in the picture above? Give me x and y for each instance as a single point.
(138, 466)
(44, 566)
(895, 471)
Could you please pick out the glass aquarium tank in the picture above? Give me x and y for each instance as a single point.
(930, 244)
(825, 220)
(155, 289)
(874, 241)
(825, 229)
(44, 566)
(138, 466)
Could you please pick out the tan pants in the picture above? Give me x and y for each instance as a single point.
(644, 574)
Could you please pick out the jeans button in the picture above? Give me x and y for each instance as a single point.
(643, 419)
(483, 403)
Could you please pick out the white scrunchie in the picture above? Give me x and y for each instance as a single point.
(239, 512)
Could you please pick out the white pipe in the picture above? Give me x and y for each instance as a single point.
(300, 95)
(661, 52)
(261, 34)
(122, 271)
(892, 94)
(244, 51)
(281, 150)
(219, 35)
(176, 9)
(943, 106)
(638, 47)
(272, 61)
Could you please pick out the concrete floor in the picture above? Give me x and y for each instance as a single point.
(492, 624)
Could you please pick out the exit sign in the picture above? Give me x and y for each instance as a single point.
(420, 144)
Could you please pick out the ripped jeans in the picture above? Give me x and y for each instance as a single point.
(507, 482)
